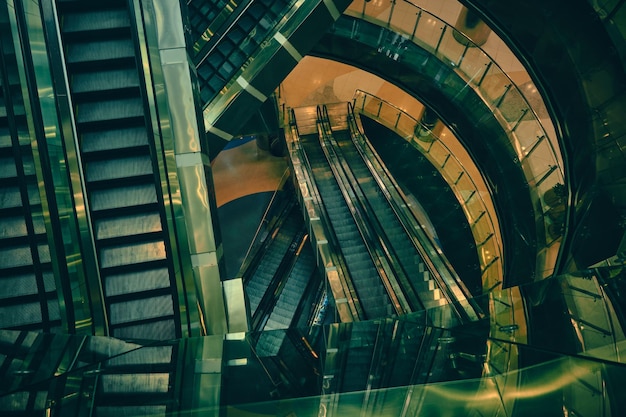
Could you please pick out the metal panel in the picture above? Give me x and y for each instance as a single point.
(181, 101)
(178, 125)
(235, 305)
(169, 24)
(161, 124)
(196, 206)
(212, 299)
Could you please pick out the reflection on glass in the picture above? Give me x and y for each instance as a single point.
(399, 366)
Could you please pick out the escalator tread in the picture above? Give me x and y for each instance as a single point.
(122, 187)
(365, 278)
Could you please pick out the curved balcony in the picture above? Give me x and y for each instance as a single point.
(536, 150)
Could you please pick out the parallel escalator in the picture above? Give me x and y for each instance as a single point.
(365, 277)
(383, 215)
(240, 35)
(262, 276)
(28, 297)
(121, 179)
(288, 302)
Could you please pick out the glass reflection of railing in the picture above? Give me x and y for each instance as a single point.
(535, 150)
(592, 317)
(484, 230)
(574, 385)
(508, 328)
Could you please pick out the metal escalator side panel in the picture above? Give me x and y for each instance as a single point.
(186, 184)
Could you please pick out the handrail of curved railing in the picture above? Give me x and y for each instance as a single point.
(468, 43)
(526, 131)
(491, 267)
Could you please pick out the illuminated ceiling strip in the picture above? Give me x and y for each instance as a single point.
(220, 133)
(250, 89)
(284, 42)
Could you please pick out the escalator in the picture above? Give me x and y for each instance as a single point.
(139, 382)
(383, 215)
(121, 179)
(288, 302)
(277, 282)
(243, 50)
(243, 31)
(287, 306)
(28, 298)
(371, 292)
(261, 277)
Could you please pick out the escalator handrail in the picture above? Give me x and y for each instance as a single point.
(248, 261)
(443, 283)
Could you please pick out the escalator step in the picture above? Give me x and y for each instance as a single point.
(110, 110)
(103, 81)
(95, 21)
(100, 52)
(106, 140)
(123, 197)
(118, 168)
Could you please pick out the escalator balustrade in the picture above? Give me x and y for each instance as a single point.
(28, 298)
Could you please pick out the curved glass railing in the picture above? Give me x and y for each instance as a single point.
(471, 198)
(536, 151)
